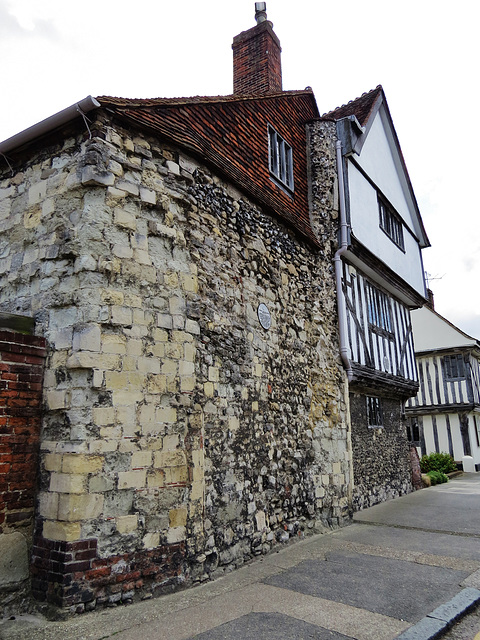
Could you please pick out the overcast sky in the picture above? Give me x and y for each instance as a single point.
(423, 52)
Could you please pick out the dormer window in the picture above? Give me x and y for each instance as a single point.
(391, 223)
(280, 159)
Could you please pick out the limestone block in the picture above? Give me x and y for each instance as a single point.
(186, 368)
(62, 531)
(58, 399)
(177, 517)
(125, 219)
(132, 479)
(13, 559)
(141, 459)
(164, 321)
(48, 505)
(91, 175)
(156, 478)
(173, 167)
(174, 350)
(129, 187)
(176, 305)
(182, 337)
(148, 196)
(189, 351)
(213, 374)
(126, 524)
(37, 192)
(187, 384)
(148, 364)
(192, 326)
(175, 535)
(166, 414)
(92, 360)
(116, 380)
(157, 383)
(134, 347)
(53, 462)
(74, 508)
(126, 397)
(110, 296)
(189, 282)
(100, 484)
(102, 446)
(122, 251)
(81, 463)
(122, 315)
(171, 442)
(164, 459)
(86, 338)
(151, 540)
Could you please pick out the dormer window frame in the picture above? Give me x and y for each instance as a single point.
(280, 160)
(390, 222)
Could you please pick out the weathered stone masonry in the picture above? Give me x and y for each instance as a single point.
(180, 438)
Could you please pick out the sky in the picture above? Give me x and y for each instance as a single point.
(423, 52)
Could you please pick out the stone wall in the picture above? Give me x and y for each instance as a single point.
(180, 438)
(21, 373)
(381, 457)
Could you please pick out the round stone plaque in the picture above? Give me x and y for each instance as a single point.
(264, 316)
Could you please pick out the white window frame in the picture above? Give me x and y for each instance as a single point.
(280, 159)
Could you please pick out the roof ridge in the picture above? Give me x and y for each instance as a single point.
(152, 102)
(352, 103)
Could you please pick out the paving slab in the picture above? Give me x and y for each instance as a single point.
(451, 507)
(269, 626)
(391, 587)
(443, 544)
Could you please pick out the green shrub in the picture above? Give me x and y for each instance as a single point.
(437, 477)
(438, 462)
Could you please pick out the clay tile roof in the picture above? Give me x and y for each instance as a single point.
(175, 102)
(361, 107)
(229, 132)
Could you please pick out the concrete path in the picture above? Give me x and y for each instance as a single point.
(405, 569)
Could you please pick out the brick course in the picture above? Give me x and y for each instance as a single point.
(21, 373)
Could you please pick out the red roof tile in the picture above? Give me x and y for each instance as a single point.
(361, 107)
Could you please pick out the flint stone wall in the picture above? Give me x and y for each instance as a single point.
(381, 457)
(180, 438)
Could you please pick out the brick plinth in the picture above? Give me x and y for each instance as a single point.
(70, 575)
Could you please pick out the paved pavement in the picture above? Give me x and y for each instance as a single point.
(404, 569)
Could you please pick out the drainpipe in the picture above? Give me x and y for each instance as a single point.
(342, 324)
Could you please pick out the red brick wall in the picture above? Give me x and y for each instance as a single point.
(21, 376)
(70, 575)
(257, 64)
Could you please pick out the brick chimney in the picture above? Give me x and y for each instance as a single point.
(257, 67)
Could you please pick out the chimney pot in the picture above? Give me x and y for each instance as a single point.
(260, 12)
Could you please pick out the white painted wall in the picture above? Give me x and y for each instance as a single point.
(364, 218)
(431, 332)
(456, 436)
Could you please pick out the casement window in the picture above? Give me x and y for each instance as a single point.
(413, 431)
(378, 309)
(454, 367)
(374, 412)
(280, 159)
(391, 223)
